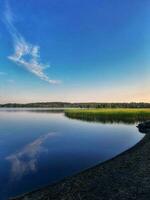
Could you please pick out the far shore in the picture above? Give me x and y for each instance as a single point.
(125, 177)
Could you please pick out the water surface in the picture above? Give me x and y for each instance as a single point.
(38, 148)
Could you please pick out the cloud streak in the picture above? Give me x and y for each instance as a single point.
(26, 159)
(2, 73)
(25, 54)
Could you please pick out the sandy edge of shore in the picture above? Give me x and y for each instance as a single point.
(126, 176)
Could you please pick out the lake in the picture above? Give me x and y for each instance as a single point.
(39, 148)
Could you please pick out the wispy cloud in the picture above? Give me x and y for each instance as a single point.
(26, 159)
(2, 73)
(10, 81)
(25, 53)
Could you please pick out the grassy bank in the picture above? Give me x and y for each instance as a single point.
(110, 115)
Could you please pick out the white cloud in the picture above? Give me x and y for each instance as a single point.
(25, 53)
(26, 159)
(2, 73)
(10, 81)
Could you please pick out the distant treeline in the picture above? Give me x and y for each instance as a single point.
(76, 105)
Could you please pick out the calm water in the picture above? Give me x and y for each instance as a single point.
(38, 148)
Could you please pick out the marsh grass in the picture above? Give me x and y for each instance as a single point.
(125, 115)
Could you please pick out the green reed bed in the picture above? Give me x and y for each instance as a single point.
(110, 114)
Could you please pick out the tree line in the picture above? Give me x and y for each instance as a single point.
(76, 105)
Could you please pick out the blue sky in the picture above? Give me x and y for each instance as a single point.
(73, 50)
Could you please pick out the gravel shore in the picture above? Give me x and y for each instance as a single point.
(124, 177)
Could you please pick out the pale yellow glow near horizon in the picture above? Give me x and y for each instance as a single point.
(121, 94)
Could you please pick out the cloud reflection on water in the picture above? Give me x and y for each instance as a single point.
(26, 159)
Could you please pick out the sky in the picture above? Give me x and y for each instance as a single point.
(74, 51)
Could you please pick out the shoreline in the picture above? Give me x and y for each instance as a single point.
(126, 176)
